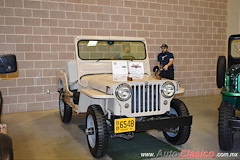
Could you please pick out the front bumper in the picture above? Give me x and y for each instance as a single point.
(163, 123)
(233, 98)
(230, 94)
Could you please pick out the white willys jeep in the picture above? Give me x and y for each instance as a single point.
(111, 82)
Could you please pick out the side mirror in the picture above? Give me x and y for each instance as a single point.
(155, 69)
(8, 63)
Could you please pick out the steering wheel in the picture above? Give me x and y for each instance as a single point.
(127, 57)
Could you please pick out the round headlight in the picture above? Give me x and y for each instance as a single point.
(123, 92)
(168, 89)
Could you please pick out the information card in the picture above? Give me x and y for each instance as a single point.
(136, 67)
(119, 67)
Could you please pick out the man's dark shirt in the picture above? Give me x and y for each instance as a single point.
(163, 58)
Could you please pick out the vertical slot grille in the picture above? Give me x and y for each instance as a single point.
(145, 98)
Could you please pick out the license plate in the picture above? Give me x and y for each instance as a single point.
(124, 125)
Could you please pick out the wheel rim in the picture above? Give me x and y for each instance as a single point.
(61, 104)
(171, 134)
(92, 137)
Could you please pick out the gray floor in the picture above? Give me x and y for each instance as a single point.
(41, 135)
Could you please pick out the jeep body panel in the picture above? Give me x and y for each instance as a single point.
(103, 82)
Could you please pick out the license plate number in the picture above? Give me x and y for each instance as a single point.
(124, 125)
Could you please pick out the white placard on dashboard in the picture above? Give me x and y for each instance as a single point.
(136, 67)
(119, 67)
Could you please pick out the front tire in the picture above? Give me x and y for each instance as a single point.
(181, 135)
(225, 133)
(64, 109)
(96, 129)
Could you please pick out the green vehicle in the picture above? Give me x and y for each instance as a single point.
(228, 78)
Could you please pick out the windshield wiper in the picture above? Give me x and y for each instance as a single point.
(237, 48)
(101, 59)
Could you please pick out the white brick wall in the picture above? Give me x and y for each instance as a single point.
(41, 34)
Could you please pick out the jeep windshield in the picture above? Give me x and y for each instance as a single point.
(110, 50)
(235, 48)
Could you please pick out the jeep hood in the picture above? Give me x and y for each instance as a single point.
(104, 82)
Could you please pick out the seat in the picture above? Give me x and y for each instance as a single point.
(72, 75)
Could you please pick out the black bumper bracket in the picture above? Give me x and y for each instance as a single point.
(234, 123)
(163, 123)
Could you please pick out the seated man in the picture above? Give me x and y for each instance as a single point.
(126, 54)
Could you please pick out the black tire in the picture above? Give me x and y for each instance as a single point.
(221, 68)
(183, 132)
(98, 138)
(6, 147)
(64, 109)
(225, 133)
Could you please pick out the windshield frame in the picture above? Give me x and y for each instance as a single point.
(111, 42)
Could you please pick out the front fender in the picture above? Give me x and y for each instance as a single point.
(180, 91)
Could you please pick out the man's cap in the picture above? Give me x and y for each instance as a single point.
(126, 45)
(164, 46)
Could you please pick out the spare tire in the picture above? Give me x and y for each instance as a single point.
(221, 68)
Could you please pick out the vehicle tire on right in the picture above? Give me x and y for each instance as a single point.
(225, 133)
(181, 135)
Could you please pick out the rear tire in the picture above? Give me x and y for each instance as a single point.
(221, 68)
(178, 108)
(97, 136)
(225, 133)
(64, 109)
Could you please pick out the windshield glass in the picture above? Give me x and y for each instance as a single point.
(109, 50)
(235, 48)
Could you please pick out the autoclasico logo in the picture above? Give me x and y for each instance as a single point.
(187, 154)
(197, 154)
(183, 154)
